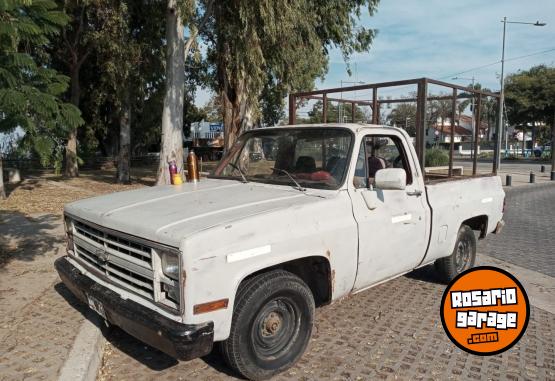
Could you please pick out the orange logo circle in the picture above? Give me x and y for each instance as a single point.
(485, 310)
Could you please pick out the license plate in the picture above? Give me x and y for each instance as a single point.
(96, 306)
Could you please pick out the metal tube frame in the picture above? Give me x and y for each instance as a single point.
(421, 114)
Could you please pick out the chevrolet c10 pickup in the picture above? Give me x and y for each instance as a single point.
(292, 218)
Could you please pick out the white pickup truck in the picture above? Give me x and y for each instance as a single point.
(293, 218)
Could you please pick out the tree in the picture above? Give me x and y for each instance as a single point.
(128, 50)
(529, 99)
(280, 44)
(212, 109)
(30, 91)
(488, 111)
(404, 116)
(333, 112)
(172, 114)
(74, 49)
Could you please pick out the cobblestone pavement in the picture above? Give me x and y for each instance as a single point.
(528, 239)
(36, 341)
(390, 331)
(39, 317)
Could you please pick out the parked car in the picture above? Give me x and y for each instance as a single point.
(242, 258)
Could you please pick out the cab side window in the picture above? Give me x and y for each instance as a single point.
(380, 152)
(361, 178)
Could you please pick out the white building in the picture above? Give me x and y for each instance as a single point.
(206, 130)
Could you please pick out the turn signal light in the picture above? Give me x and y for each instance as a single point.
(210, 306)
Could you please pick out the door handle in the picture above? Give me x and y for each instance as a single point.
(415, 192)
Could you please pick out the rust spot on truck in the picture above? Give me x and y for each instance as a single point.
(332, 280)
(328, 254)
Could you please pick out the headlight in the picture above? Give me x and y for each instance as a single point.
(170, 265)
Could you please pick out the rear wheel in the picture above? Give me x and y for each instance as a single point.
(272, 324)
(462, 258)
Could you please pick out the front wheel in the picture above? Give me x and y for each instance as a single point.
(462, 258)
(271, 326)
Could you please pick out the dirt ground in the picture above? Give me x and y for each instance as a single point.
(47, 193)
(42, 195)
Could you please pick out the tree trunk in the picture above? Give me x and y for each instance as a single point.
(172, 114)
(2, 190)
(124, 154)
(237, 113)
(72, 167)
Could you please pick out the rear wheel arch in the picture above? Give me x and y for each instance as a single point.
(462, 257)
(478, 223)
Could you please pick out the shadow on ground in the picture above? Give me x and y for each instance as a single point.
(155, 359)
(24, 238)
(141, 352)
(72, 300)
(426, 274)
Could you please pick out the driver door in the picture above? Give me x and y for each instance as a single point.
(393, 234)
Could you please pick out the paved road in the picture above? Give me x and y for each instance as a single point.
(528, 239)
(393, 331)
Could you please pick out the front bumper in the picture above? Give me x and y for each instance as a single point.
(181, 341)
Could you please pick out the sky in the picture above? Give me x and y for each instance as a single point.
(441, 38)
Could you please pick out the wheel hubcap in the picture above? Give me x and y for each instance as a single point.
(275, 328)
(271, 324)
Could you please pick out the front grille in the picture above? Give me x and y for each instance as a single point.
(125, 262)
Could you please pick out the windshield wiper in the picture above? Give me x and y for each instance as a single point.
(298, 186)
(240, 172)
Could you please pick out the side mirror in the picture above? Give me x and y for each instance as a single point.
(391, 179)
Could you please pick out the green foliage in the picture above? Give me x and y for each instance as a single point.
(274, 47)
(29, 90)
(333, 113)
(529, 98)
(488, 111)
(212, 110)
(436, 157)
(404, 116)
(124, 46)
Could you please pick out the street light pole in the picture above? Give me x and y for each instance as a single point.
(501, 100)
(500, 125)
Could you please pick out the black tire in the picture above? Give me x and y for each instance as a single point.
(271, 327)
(462, 258)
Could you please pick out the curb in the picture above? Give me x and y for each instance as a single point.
(85, 357)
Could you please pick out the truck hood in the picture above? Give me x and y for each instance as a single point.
(167, 214)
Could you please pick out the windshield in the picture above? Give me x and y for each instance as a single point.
(312, 157)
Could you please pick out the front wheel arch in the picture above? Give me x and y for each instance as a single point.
(258, 312)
